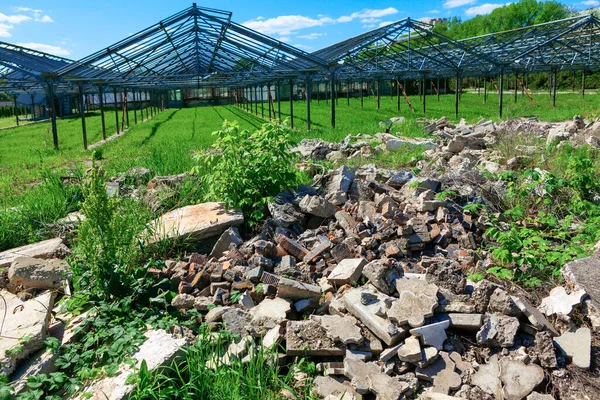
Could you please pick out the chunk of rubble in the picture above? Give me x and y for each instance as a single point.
(160, 348)
(370, 307)
(38, 274)
(50, 248)
(236, 320)
(268, 314)
(309, 338)
(487, 378)
(433, 334)
(577, 346)
(519, 379)
(230, 237)
(412, 308)
(382, 275)
(347, 271)
(411, 350)
(318, 206)
(24, 328)
(544, 349)
(326, 386)
(194, 222)
(340, 329)
(537, 319)
(559, 302)
(498, 331)
(467, 322)
(583, 274)
(367, 377)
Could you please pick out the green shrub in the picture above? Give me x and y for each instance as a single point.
(245, 169)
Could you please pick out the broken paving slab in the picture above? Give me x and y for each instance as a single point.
(309, 338)
(347, 271)
(560, 302)
(577, 346)
(583, 274)
(24, 327)
(519, 379)
(38, 274)
(370, 312)
(160, 348)
(340, 329)
(268, 314)
(50, 248)
(487, 378)
(466, 322)
(433, 334)
(367, 377)
(412, 308)
(537, 319)
(194, 222)
(326, 386)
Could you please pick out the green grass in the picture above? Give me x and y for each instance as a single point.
(7, 122)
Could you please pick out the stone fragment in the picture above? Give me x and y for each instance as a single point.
(370, 312)
(340, 329)
(410, 350)
(433, 334)
(272, 338)
(467, 322)
(202, 303)
(235, 320)
(38, 274)
(346, 221)
(183, 301)
(412, 309)
(347, 271)
(308, 338)
(160, 348)
(215, 314)
(502, 303)
(317, 205)
(462, 367)
(367, 377)
(519, 379)
(544, 349)
(539, 396)
(488, 378)
(230, 237)
(583, 274)
(326, 386)
(559, 302)
(194, 222)
(498, 331)
(577, 346)
(46, 249)
(24, 328)
(405, 142)
(537, 319)
(482, 293)
(295, 290)
(268, 314)
(416, 285)
(429, 372)
(382, 276)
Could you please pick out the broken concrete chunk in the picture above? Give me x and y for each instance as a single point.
(183, 301)
(429, 372)
(347, 271)
(195, 222)
(370, 313)
(235, 320)
(24, 328)
(544, 349)
(539, 396)
(537, 319)
(38, 274)
(340, 329)
(502, 303)
(230, 237)
(160, 348)
(582, 275)
(433, 334)
(308, 338)
(268, 314)
(467, 322)
(382, 275)
(498, 331)
(559, 302)
(488, 378)
(367, 377)
(317, 205)
(410, 350)
(47, 249)
(519, 379)
(272, 338)
(577, 346)
(412, 308)
(416, 285)
(295, 290)
(326, 386)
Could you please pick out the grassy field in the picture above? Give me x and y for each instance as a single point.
(163, 144)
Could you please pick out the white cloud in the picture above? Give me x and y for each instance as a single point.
(303, 47)
(44, 19)
(591, 3)
(46, 48)
(458, 3)
(4, 30)
(311, 36)
(14, 19)
(286, 24)
(284, 39)
(433, 12)
(483, 9)
(385, 23)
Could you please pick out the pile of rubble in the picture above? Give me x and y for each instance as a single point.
(366, 273)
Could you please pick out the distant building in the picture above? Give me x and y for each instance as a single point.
(434, 21)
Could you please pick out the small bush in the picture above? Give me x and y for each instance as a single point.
(245, 169)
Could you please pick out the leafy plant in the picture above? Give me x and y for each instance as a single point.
(245, 169)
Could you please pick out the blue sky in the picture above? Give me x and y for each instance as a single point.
(75, 29)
